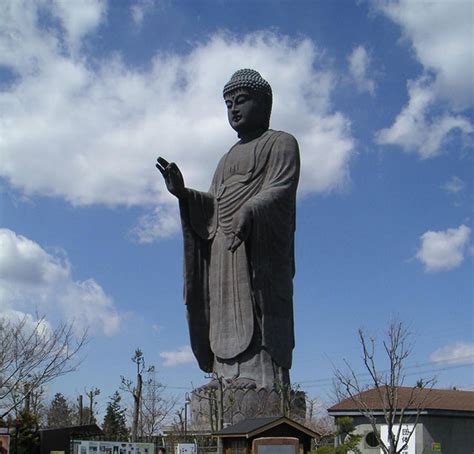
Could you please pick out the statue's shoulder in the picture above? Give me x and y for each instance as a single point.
(284, 140)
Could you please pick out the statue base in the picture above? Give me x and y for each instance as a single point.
(240, 400)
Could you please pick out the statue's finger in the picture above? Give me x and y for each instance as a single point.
(163, 162)
(161, 169)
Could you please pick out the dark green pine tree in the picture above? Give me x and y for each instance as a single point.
(115, 423)
(60, 413)
(25, 439)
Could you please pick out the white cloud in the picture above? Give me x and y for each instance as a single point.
(415, 130)
(90, 133)
(183, 355)
(32, 280)
(140, 8)
(454, 185)
(162, 222)
(440, 33)
(458, 353)
(441, 37)
(30, 323)
(444, 250)
(359, 63)
(78, 18)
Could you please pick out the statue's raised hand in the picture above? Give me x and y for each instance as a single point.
(173, 178)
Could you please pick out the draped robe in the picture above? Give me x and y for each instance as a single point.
(235, 300)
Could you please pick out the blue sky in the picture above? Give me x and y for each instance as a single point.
(379, 95)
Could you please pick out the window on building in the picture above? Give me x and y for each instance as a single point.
(371, 440)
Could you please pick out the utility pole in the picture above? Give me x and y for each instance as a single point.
(81, 410)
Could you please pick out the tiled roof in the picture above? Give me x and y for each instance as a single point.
(434, 399)
(248, 425)
(253, 426)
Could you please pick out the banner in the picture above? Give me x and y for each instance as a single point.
(404, 434)
(112, 447)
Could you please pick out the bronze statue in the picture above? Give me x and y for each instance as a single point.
(239, 245)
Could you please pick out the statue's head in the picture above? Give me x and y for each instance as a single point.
(249, 101)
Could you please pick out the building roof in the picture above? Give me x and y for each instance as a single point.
(431, 400)
(253, 426)
(88, 429)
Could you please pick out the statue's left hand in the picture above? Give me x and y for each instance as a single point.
(240, 228)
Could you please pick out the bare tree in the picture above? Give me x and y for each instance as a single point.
(32, 354)
(318, 419)
(387, 383)
(91, 395)
(135, 390)
(156, 407)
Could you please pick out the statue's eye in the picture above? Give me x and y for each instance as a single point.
(241, 99)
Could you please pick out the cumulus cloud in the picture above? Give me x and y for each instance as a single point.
(440, 34)
(78, 18)
(162, 222)
(415, 130)
(444, 250)
(90, 133)
(183, 355)
(30, 323)
(359, 64)
(457, 353)
(32, 279)
(454, 185)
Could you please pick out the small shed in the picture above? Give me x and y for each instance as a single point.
(238, 438)
(60, 439)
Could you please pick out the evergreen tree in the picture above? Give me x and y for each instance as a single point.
(26, 438)
(115, 423)
(60, 412)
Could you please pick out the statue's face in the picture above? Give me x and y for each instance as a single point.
(245, 111)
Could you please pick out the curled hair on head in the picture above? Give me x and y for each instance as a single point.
(251, 80)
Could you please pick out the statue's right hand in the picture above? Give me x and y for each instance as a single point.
(173, 178)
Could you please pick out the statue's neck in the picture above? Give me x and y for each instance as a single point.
(247, 136)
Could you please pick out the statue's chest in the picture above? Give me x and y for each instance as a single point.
(240, 161)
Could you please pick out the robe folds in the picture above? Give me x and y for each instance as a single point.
(236, 299)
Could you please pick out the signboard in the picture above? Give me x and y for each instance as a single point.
(186, 448)
(435, 447)
(4, 444)
(405, 432)
(275, 445)
(112, 447)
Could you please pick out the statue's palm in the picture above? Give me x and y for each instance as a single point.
(173, 177)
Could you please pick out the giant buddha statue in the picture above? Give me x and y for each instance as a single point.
(239, 245)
